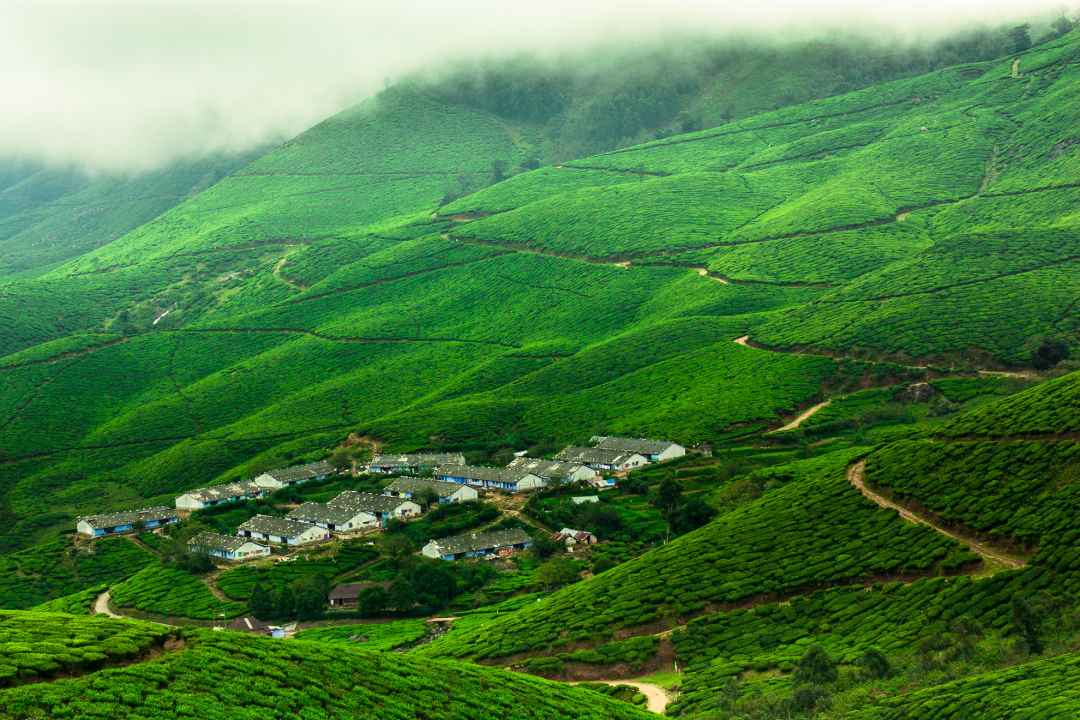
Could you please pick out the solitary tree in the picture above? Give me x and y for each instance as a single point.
(816, 667)
(262, 605)
(1026, 624)
(1020, 38)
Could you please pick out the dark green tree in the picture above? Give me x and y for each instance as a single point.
(874, 664)
(1020, 38)
(285, 603)
(668, 495)
(372, 601)
(815, 667)
(1026, 624)
(690, 515)
(1049, 353)
(261, 602)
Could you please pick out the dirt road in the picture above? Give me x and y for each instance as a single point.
(802, 417)
(856, 475)
(656, 696)
(101, 606)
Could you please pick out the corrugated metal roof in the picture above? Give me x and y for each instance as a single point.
(128, 517)
(482, 541)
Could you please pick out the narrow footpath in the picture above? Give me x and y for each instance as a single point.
(856, 475)
(802, 417)
(101, 606)
(657, 697)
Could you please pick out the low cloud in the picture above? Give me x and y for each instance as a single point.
(130, 85)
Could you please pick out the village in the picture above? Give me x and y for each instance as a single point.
(417, 481)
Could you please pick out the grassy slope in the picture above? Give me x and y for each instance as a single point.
(816, 530)
(228, 675)
(312, 293)
(1007, 469)
(48, 216)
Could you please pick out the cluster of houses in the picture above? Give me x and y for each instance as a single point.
(451, 480)
(598, 465)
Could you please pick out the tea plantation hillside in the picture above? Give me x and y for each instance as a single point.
(1006, 470)
(348, 281)
(814, 531)
(49, 215)
(59, 666)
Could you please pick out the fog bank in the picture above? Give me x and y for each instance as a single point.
(131, 85)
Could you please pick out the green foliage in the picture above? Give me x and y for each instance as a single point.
(816, 530)
(816, 667)
(1038, 689)
(232, 675)
(38, 645)
(371, 636)
(58, 568)
(167, 591)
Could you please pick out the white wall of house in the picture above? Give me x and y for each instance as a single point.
(582, 474)
(464, 494)
(188, 501)
(359, 522)
(85, 528)
(530, 482)
(431, 550)
(634, 461)
(267, 481)
(671, 452)
(312, 534)
(408, 509)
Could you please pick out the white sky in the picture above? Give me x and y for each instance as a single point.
(128, 85)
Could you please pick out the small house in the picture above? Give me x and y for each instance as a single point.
(277, 479)
(603, 460)
(478, 545)
(490, 478)
(348, 595)
(412, 463)
(339, 519)
(126, 521)
(227, 547)
(447, 492)
(652, 450)
(554, 472)
(572, 538)
(281, 531)
(583, 499)
(219, 495)
(383, 508)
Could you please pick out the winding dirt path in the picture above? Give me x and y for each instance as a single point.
(101, 606)
(656, 696)
(856, 475)
(802, 417)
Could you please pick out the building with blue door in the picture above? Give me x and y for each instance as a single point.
(126, 521)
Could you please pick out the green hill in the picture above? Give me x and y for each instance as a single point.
(50, 215)
(1007, 469)
(60, 666)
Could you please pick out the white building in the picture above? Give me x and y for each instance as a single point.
(281, 531)
(227, 547)
(277, 479)
(125, 521)
(447, 492)
(490, 478)
(337, 520)
(602, 460)
(652, 450)
(383, 508)
(219, 495)
(554, 472)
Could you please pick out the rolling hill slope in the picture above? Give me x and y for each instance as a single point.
(335, 285)
(62, 666)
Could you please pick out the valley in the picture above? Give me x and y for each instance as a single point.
(359, 423)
